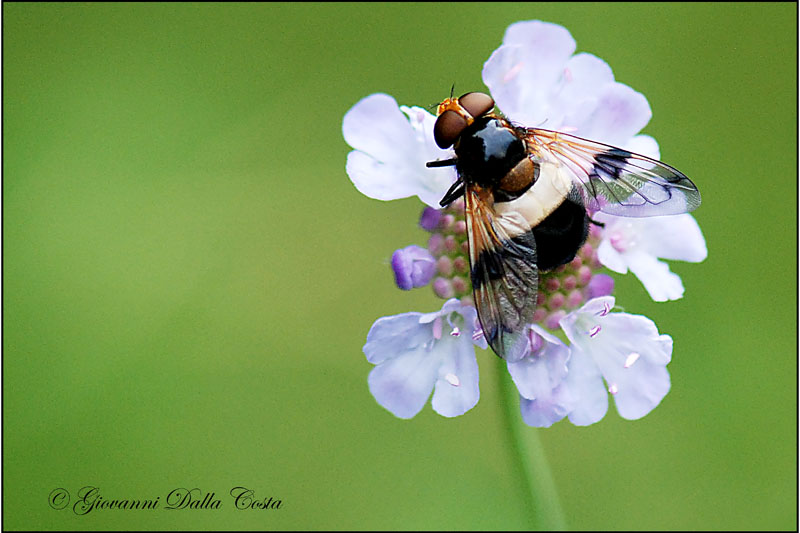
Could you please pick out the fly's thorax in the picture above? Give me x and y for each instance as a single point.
(487, 150)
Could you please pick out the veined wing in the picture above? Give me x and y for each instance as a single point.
(503, 272)
(614, 180)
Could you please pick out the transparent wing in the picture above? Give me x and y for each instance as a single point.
(503, 272)
(614, 180)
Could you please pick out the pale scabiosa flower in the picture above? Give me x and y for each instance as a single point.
(536, 80)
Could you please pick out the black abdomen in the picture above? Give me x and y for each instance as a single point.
(560, 235)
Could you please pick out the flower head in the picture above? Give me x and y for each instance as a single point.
(536, 80)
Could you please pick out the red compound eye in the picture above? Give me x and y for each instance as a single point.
(477, 104)
(448, 127)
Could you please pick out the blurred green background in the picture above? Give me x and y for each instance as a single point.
(190, 275)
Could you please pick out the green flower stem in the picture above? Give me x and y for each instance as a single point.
(538, 481)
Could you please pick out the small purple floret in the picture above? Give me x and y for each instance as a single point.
(413, 266)
(443, 288)
(600, 285)
(429, 220)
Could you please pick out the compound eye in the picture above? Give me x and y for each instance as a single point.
(448, 127)
(477, 104)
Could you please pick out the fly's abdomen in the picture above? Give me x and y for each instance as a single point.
(560, 235)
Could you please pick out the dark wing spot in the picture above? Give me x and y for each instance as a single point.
(512, 254)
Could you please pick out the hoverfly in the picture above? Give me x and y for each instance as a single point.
(529, 194)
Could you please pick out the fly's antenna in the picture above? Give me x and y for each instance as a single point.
(436, 105)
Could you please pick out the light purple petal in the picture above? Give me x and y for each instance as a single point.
(643, 145)
(522, 73)
(478, 338)
(661, 284)
(636, 243)
(551, 41)
(434, 182)
(541, 371)
(620, 114)
(376, 126)
(378, 180)
(471, 325)
(597, 306)
(589, 398)
(392, 336)
(539, 377)
(673, 237)
(535, 80)
(584, 78)
(586, 74)
(453, 305)
(609, 256)
(634, 366)
(456, 390)
(392, 145)
(641, 387)
(546, 411)
(402, 385)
